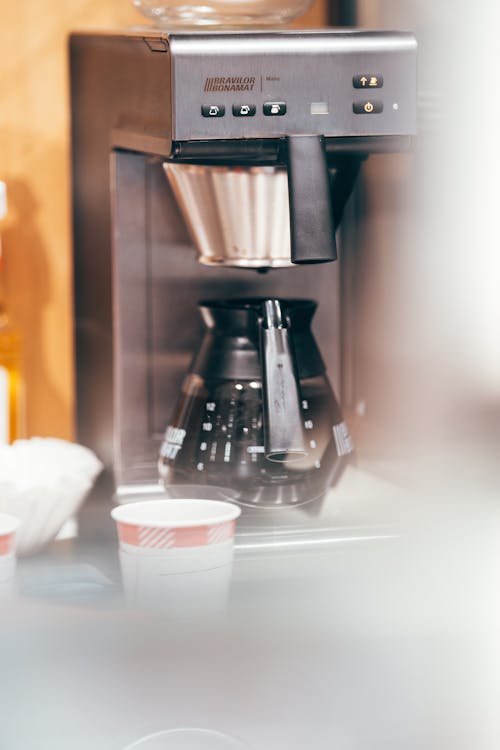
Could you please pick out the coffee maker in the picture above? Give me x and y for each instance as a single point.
(291, 115)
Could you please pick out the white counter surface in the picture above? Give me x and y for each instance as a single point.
(374, 636)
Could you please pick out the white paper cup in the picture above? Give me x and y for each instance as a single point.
(177, 554)
(8, 529)
(201, 593)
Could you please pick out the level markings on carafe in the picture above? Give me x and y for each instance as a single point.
(308, 423)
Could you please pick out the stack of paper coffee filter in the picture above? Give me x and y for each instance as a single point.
(43, 482)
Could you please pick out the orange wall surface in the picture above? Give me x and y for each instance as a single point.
(34, 162)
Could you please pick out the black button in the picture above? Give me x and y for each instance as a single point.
(244, 110)
(274, 108)
(368, 81)
(213, 110)
(371, 107)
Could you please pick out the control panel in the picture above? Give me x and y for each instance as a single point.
(271, 84)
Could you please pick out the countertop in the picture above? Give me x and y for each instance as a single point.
(375, 636)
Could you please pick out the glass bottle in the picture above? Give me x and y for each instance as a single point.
(11, 380)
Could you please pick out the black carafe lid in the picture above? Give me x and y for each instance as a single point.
(230, 348)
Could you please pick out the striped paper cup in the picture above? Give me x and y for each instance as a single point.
(176, 555)
(186, 534)
(8, 528)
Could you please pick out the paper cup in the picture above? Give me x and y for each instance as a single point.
(8, 529)
(177, 554)
(203, 593)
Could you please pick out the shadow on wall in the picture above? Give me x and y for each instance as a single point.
(31, 293)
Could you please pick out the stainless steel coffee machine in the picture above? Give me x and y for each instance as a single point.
(261, 136)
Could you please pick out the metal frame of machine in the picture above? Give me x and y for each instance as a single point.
(139, 99)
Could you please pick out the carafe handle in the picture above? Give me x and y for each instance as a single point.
(283, 431)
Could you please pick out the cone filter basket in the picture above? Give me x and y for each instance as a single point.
(237, 216)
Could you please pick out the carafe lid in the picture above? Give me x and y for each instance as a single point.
(241, 316)
(230, 350)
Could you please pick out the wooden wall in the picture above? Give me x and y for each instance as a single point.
(34, 161)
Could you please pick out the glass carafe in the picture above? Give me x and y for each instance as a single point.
(256, 411)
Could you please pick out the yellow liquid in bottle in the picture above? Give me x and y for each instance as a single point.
(11, 383)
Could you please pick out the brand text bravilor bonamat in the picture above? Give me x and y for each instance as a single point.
(230, 83)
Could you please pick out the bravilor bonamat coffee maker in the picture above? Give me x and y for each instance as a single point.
(261, 135)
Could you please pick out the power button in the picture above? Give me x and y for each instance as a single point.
(368, 107)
